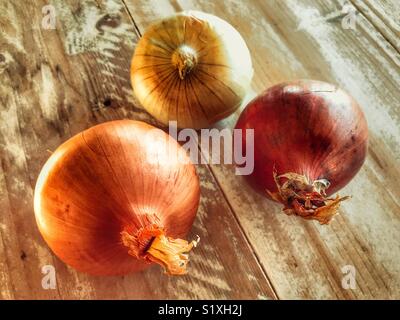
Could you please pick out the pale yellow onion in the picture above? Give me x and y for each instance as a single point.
(192, 67)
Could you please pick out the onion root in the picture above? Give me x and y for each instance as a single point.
(303, 197)
(152, 245)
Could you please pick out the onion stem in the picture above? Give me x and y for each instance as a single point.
(184, 59)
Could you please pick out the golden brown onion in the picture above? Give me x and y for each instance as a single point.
(118, 196)
(192, 67)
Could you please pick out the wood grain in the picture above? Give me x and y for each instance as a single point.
(384, 16)
(305, 39)
(55, 83)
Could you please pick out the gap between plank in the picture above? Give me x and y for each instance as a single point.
(235, 217)
(131, 17)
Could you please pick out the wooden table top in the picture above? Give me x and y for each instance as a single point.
(57, 82)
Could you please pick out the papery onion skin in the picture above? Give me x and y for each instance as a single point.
(113, 179)
(309, 128)
(193, 68)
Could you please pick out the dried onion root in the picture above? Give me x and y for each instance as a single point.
(305, 198)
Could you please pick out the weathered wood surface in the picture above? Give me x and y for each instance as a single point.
(384, 16)
(55, 83)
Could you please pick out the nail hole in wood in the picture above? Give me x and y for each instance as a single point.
(107, 102)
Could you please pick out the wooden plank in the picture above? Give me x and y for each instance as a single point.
(303, 39)
(55, 83)
(385, 16)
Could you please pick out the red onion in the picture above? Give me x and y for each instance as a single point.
(310, 139)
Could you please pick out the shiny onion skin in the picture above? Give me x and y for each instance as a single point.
(111, 200)
(193, 68)
(310, 139)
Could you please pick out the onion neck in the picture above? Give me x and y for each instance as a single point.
(152, 245)
(305, 198)
(184, 60)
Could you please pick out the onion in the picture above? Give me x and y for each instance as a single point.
(113, 199)
(310, 139)
(193, 68)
